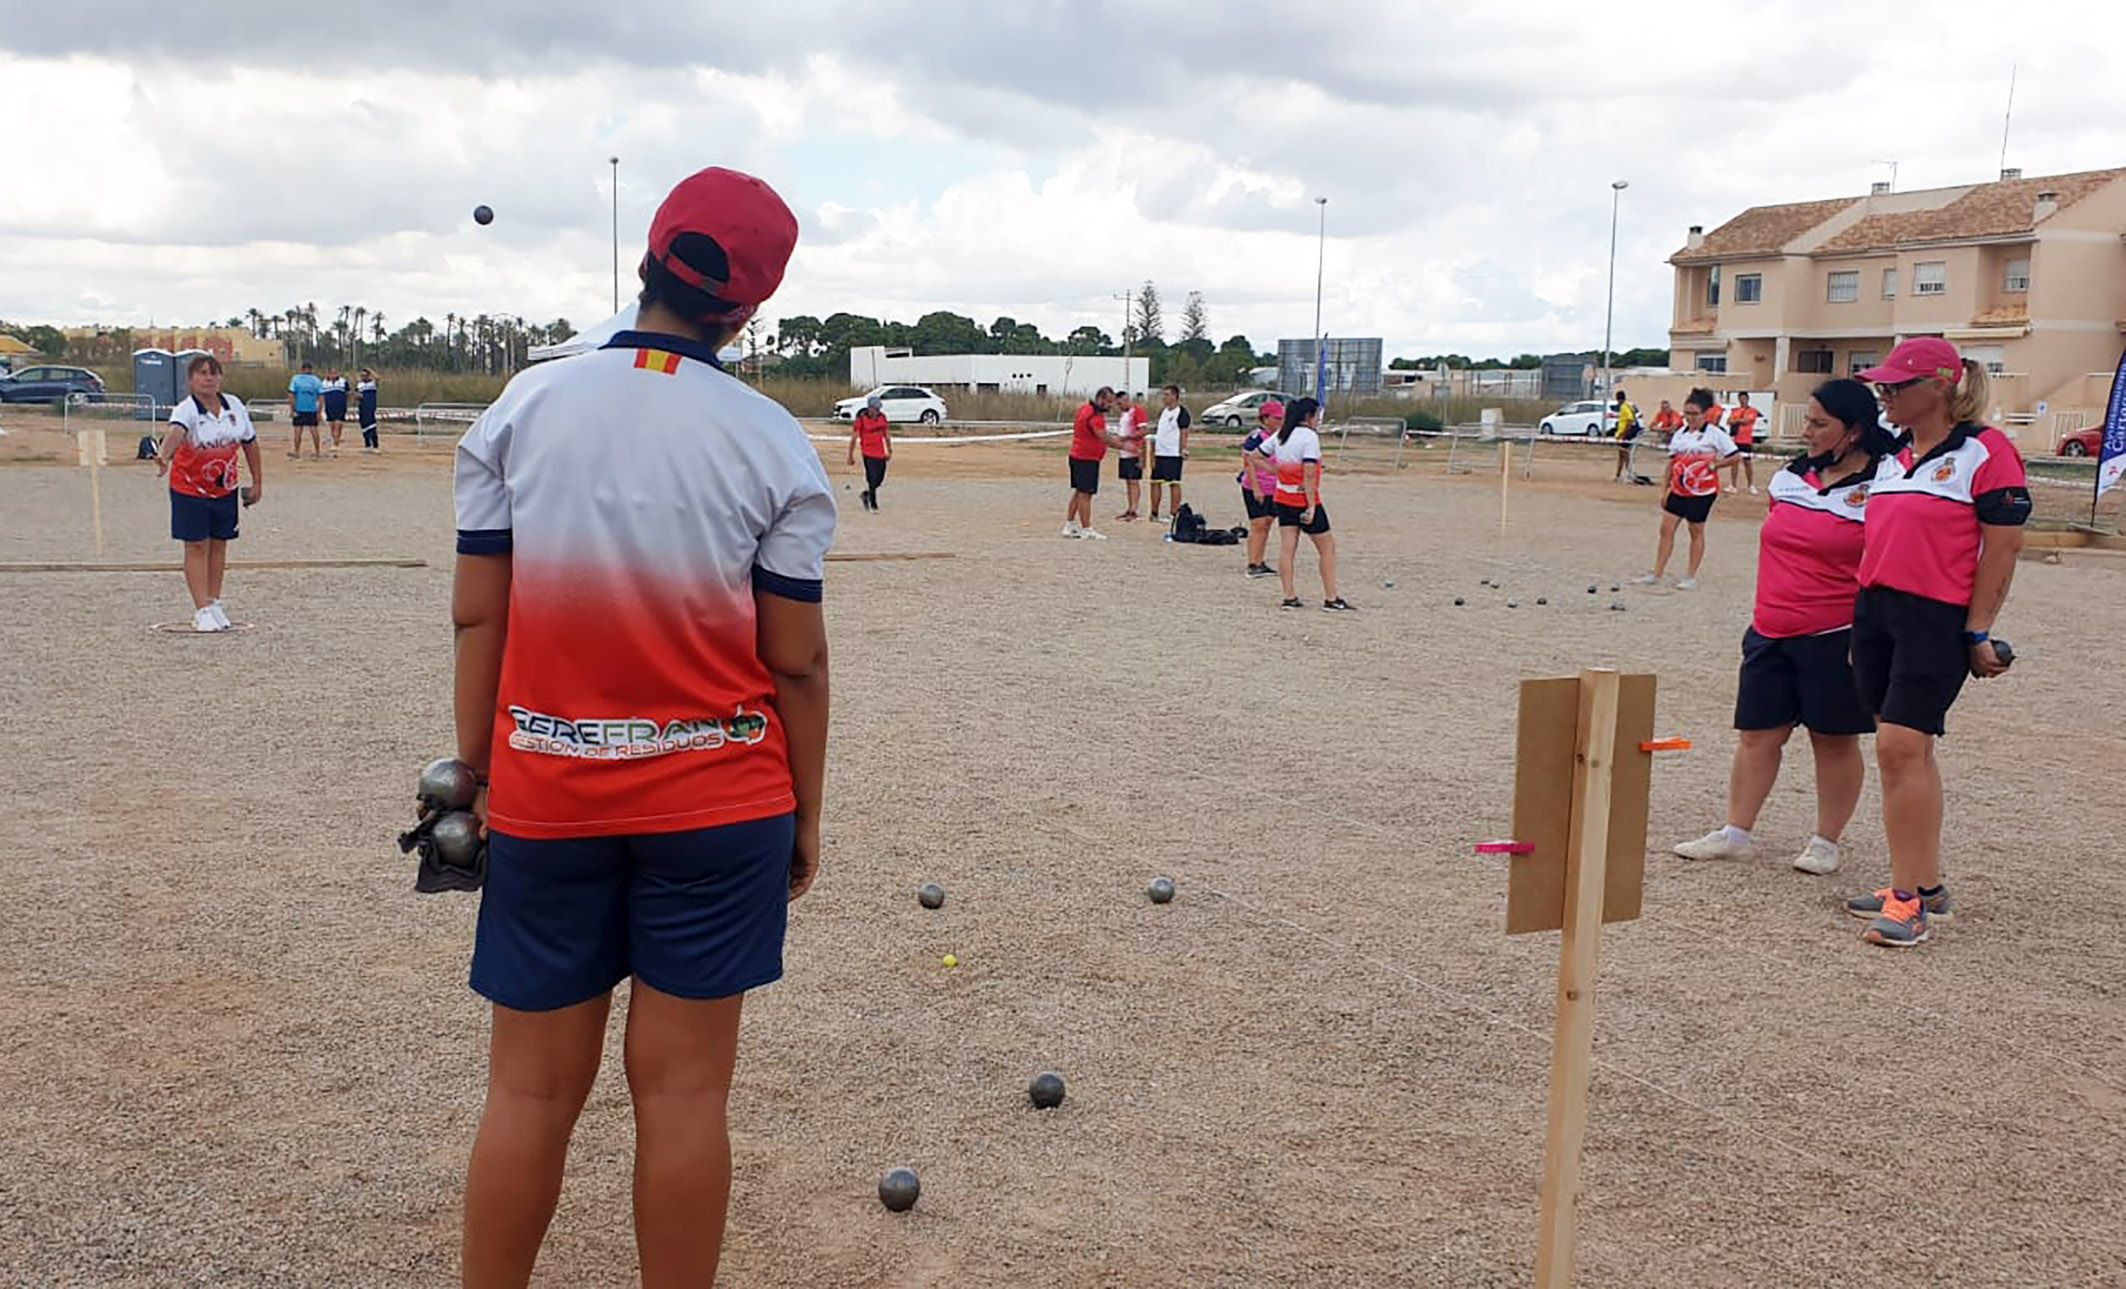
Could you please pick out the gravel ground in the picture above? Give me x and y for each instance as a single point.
(238, 1049)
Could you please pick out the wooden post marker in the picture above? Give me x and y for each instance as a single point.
(1505, 479)
(1582, 774)
(89, 449)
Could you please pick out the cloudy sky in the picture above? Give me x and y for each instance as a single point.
(1022, 157)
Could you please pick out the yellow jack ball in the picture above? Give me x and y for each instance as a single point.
(951, 961)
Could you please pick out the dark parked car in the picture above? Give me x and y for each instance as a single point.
(48, 384)
(2082, 443)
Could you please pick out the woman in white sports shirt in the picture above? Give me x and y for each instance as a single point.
(208, 430)
(1258, 485)
(1694, 456)
(1297, 451)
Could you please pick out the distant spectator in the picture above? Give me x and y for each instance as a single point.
(365, 393)
(305, 393)
(335, 389)
(1169, 448)
(1627, 430)
(1742, 428)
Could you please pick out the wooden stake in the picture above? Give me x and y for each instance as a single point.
(1594, 763)
(1505, 478)
(96, 491)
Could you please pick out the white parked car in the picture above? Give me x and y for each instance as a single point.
(902, 404)
(1590, 418)
(1239, 410)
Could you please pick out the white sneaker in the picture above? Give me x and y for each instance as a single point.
(1714, 845)
(1092, 534)
(1072, 530)
(203, 620)
(1730, 490)
(1753, 490)
(1687, 584)
(1646, 579)
(1818, 857)
(221, 614)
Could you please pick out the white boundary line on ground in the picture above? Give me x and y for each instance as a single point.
(900, 439)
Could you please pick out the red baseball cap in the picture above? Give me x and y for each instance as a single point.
(1269, 409)
(1919, 358)
(752, 231)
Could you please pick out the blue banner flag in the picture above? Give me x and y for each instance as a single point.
(2111, 456)
(1321, 370)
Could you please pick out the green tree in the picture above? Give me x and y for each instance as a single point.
(47, 340)
(1147, 325)
(1088, 339)
(1195, 321)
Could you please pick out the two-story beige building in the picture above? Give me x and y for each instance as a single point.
(2025, 275)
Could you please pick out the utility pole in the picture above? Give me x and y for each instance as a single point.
(615, 163)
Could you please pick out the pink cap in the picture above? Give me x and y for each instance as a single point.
(1273, 408)
(1919, 358)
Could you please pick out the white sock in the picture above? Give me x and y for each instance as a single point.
(1826, 841)
(1736, 836)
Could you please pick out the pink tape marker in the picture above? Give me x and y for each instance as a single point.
(1505, 848)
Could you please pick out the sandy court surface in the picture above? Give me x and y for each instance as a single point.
(238, 1049)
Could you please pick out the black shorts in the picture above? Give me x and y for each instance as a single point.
(1257, 506)
(1909, 657)
(1166, 469)
(1288, 517)
(199, 519)
(1800, 680)
(303, 420)
(1691, 510)
(1084, 476)
(1129, 466)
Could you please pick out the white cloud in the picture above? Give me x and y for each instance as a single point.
(1026, 160)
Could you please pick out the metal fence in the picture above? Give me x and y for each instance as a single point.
(444, 418)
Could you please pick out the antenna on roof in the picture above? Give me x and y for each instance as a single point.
(1893, 173)
(2008, 117)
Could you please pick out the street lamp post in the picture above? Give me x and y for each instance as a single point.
(615, 162)
(1321, 251)
(1609, 310)
(1125, 297)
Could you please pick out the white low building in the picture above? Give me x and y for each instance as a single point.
(1067, 374)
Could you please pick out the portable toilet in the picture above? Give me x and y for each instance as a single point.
(181, 360)
(156, 374)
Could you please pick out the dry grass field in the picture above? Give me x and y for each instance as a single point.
(237, 1049)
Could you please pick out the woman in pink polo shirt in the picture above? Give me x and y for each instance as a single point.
(1258, 485)
(1796, 667)
(1944, 525)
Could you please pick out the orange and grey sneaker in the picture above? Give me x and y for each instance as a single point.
(1869, 907)
(1901, 924)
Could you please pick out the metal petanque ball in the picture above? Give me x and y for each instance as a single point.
(899, 1189)
(1541, 600)
(1618, 607)
(447, 784)
(1388, 585)
(1161, 890)
(1513, 604)
(457, 838)
(931, 895)
(483, 215)
(1590, 590)
(1046, 1091)
(1458, 601)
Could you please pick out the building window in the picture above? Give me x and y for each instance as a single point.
(1859, 361)
(1749, 288)
(1931, 278)
(1844, 287)
(2017, 278)
(1991, 357)
(1889, 284)
(1813, 362)
(1712, 287)
(1710, 360)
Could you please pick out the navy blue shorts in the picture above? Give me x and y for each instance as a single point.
(198, 519)
(696, 914)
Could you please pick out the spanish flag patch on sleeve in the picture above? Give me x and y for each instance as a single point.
(657, 360)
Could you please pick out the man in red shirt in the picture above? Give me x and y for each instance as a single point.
(1089, 442)
(1128, 421)
(874, 435)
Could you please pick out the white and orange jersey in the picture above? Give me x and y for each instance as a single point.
(1300, 448)
(1692, 455)
(203, 462)
(645, 496)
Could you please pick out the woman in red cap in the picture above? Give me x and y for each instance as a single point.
(1944, 524)
(1694, 456)
(1796, 655)
(642, 687)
